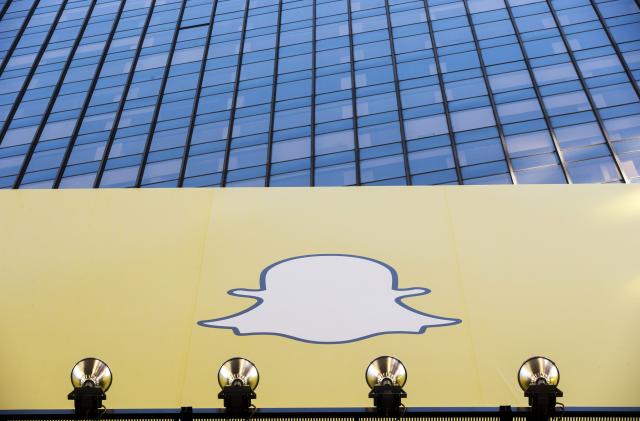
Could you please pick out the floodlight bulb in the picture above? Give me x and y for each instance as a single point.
(91, 372)
(538, 370)
(238, 372)
(386, 370)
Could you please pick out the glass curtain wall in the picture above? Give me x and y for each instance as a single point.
(173, 93)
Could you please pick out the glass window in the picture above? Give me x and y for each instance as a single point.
(247, 157)
(566, 103)
(501, 54)
(334, 142)
(478, 152)
(623, 127)
(334, 56)
(337, 175)
(290, 90)
(379, 135)
(519, 111)
(431, 160)
(256, 70)
(10, 165)
(210, 132)
(371, 50)
(291, 149)
(121, 177)
(332, 30)
(249, 97)
(535, 22)
(545, 175)
(425, 126)
(19, 136)
(262, 42)
(511, 81)
(291, 118)
(555, 73)
(156, 172)
(492, 179)
(529, 144)
(608, 96)
(335, 82)
(579, 135)
(58, 129)
(544, 47)
(79, 181)
(461, 61)
(204, 164)
(187, 55)
(294, 64)
(479, 6)
(300, 178)
(369, 24)
(465, 89)
(631, 164)
(472, 119)
(494, 29)
(586, 40)
(331, 111)
(382, 168)
(376, 104)
(449, 10)
(412, 43)
(617, 8)
(576, 15)
(453, 36)
(625, 33)
(425, 95)
(376, 75)
(408, 17)
(597, 170)
(600, 66)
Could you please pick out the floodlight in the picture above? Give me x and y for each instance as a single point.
(385, 376)
(238, 377)
(90, 378)
(539, 378)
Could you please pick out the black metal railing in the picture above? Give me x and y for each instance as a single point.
(503, 413)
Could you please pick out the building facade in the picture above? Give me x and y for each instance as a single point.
(173, 93)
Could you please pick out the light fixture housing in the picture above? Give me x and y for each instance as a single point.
(386, 376)
(539, 378)
(91, 378)
(538, 370)
(238, 378)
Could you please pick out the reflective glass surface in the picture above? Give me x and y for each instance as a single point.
(193, 93)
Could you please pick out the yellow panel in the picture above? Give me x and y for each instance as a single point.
(109, 273)
(125, 275)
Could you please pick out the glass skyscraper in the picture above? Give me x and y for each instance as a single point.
(166, 93)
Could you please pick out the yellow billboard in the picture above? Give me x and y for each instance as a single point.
(462, 284)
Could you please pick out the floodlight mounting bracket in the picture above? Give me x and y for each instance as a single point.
(237, 400)
(542, 400)
(87, 401)
(387, 398)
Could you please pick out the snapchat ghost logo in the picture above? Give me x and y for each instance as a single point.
(328, 299)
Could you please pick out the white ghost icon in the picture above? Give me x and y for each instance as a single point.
(329, 299)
